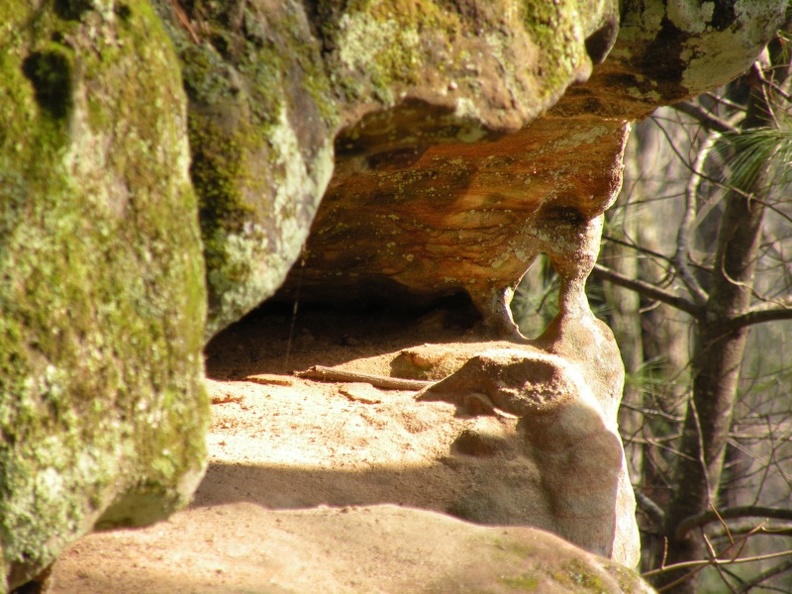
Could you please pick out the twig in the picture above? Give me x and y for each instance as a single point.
(713, 556)
(746, 511)
(185, 22)
(698, 566)
(772, 572)
(726, 102)
(706, 118)
(647, 290)
(683, 236)
(705, 562)
(773, 85)
(741, 529)
(650, 508)
(637, 248)
(330, 374)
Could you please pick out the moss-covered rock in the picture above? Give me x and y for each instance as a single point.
(102, 301)
(103, 205)
(498, 63)
(667, 51)
(260, 122)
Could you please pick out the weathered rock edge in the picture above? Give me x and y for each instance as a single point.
(271, 85)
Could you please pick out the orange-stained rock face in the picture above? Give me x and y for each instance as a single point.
(426, 220)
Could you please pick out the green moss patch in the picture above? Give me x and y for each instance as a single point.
(102, 300)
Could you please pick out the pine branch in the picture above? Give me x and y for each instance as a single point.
(647, 290)
(714, 181)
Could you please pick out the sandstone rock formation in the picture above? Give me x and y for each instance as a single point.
(103, 411)
(261, 122)
(578, 487)
(427, 200)
(271, 87)
(667, 51)
(397, 107)
(406, 221)
(305, 476)
(383, 549)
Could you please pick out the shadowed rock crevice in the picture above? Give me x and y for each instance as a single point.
(51, 75)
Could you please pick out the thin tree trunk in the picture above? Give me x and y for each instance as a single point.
(716, 369)
(717, 357)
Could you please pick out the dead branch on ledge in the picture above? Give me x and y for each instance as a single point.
(330, 374)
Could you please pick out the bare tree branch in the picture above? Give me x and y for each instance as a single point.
(725, 101)
(697, 566)
(650, 508)
(750, 527)
(706, 118)
(640, 249)
(710, 516)
(764, 576)
(647, 290)
(331, 374)
(773, 85)
(683, 236)
(706, 562)
(758, 316)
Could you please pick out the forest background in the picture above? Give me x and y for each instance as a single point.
(695, 279)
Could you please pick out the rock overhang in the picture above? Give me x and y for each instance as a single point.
(431, 197)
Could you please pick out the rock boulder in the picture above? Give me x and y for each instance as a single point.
(103, 410)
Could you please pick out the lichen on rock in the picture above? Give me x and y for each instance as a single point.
(501, 63)
(102, 405)
(259, 125)
(668, 51)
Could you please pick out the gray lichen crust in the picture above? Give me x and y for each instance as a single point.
(103, 411)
